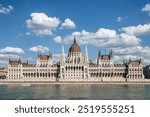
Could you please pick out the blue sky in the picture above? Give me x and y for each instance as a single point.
(31, 26)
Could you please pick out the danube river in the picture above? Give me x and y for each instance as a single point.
(75, 92)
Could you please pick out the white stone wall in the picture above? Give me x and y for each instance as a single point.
(14, 71)
(135, 72)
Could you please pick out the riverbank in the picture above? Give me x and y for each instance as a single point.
(75, 82)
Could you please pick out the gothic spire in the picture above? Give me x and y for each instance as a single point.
(62, 49)
(75, 39)
(62, 54)
(86, 54)
(110, 51)
(99, 53)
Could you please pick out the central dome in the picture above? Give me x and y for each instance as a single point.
(74, 47)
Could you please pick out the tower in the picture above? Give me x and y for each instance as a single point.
(110, 54)
(62, 54)
(74, 54)
(99, 57)
(86, 54)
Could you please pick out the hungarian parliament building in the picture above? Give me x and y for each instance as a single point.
(75, 67)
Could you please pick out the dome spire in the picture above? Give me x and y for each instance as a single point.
(75, 39)
(74, 47)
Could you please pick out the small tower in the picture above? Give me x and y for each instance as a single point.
(74, 40)
(99, 53)
(62, 54)
(38, 58)
(99, 57)
(110, 54)
(86, 54)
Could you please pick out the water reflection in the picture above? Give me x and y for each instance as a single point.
(75, 92)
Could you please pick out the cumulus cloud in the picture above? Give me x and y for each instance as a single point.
(105, 33)
(146, 8)
(58, 39)
(12, 50)
(9, 56)
(68, 24)
(125, 58)
(56, 57)
(9, 52)
(138, 50)
(39, 48)
(137, 30)
(135, 52)
(124, 46)
(27, 33)
(3, 63)
(119, 19)
(104, 38)
(41, 24)
(6, 10)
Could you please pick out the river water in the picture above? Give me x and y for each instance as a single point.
(75, 92)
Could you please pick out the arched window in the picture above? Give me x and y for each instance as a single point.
(82, 68)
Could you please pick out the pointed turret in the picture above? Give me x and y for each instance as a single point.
(62, 54)
(110, 54)
(99, 53)
(86, 54)
(19, 60)
(140, 60)
(38, 54)
(74, 40)
(99, 56)
(129, 60)
(62, 50)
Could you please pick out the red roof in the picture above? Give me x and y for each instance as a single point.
(136, 62)
(14, 62)
(45, 57)
(74, 47)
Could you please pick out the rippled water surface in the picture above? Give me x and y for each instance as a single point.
(75, 91)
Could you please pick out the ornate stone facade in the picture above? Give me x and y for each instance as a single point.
(75, 67)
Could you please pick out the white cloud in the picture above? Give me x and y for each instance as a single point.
(39, 48)
(135, 52)
(119, 19)
(58, 39)
(41, 24)
(146, 8)
(8, 56)
(68, 24)
(27, 59)
(104, 38)
(3, 63)
(125, 58)
(137, 30)
(124, 46)
(12, 50)
(106, 33)
(27, 33)
(6, 10)
(138, 50)
(56, 57)
(9, 52)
